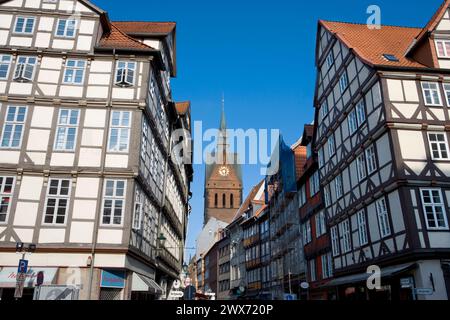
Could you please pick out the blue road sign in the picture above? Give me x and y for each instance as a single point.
(23, 266)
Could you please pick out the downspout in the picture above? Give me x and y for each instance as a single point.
(102, 176)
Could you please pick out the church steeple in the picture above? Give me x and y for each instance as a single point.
(223, 123)
(222, 143)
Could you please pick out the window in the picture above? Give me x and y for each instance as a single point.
(361, 167)
(307, 237)
(446, 90)
(352, 122)
(434, 209)
(25, 69)
(125, 73)
(326, 195)
(137, 218)
(335, 241)
(320, 224)
(327, 266)
(383, 218)
(119, 133)
(345, 233)
(343, 82)
(6, 194)
(216, 202)
(321, 158)
(360, 113)
(302, 196)
(66, 132)
(324, 109)
(66, 28)
(438, 145)
(330, 60)
(74, 72)
(431, 94)
(371, 159)
(314, 184)
(390, 57)
(231, 201)
(113, 202)
(331, 146)
(362, 227)
(443, 48)
(24, 25)
(13, 128)
(223, 200)
(312, 270)
(57, 201)
(338, 187)
(5, 63)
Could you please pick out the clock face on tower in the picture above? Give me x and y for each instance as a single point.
(224, 171)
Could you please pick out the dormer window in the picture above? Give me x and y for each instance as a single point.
(25, 69)
(125, 73)
(443, 48)
(24, 25)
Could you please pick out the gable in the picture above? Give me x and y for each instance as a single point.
(71, 6)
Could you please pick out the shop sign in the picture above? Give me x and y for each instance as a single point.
(113, 279)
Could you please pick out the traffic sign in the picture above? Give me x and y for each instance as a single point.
(23, 266)
(176, 294)
(290, 297)
(424, 291)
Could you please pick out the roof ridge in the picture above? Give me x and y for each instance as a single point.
(142, 21)
(363, 24)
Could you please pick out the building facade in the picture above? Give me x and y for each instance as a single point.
(382, 141)
(86, 117)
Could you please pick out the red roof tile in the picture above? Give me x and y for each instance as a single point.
(119, 40)
(140, 27)
(371, 44)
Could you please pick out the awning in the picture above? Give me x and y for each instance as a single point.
(145, 284)
(8, 276)
(362, 277)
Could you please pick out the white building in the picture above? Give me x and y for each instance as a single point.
(86, 113)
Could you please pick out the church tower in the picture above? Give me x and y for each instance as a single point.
(223, 180)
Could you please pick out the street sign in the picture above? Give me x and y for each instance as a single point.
(176, 284)
(23, 266)
(176, 294)
(406, 282)
(424, 291)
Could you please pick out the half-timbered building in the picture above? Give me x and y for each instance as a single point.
(382, 101)
(86, 116)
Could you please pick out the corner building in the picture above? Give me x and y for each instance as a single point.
(86, 114)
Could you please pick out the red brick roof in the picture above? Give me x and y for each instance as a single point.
(119, 40)
(371, 44)
(141, 27)
(182, 107)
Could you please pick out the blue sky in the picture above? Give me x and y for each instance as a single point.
(260, 53)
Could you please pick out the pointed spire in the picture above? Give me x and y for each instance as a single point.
(223, 123)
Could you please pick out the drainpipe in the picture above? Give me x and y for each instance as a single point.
(102, 177)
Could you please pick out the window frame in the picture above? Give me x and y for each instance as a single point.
(8, 64)
(26, 18)
(371, 160)
(432, 104)
(124, 83)
(430, 144)
(67, 127)
(361, 220)
(57, 197)
(344, 76)
(14, 123)
(345, 228)
(383, 225)
(113, 198)
(321, 227)
(434, 205)
(335, 245)
(331, 146)
(361, 169)
(66, 28)
(444, 47)
(339, 194)
(352, 120)
(4, 195)
(74, 69)
(119, 129)
(22, 77)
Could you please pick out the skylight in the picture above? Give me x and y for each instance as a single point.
(390, 57)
